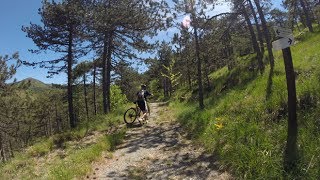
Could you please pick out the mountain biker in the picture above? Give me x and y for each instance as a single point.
(142, 95)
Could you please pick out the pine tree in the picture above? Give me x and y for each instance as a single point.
(119, 29)
(240, 6)
(266, 32)
(196, 9)
(61, 31)
(6, 73)
(172, 76)
(81, 70)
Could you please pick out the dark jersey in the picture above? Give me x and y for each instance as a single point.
(142, 95)
(141, 99)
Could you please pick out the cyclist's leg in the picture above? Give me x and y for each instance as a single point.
(142, 106)
(144, 110)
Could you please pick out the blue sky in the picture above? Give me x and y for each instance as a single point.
(13, 15)
(16, 13)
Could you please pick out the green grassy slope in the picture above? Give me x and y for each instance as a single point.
(67, 155)
(245, 120)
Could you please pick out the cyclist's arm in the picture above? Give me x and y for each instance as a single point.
(148, 93)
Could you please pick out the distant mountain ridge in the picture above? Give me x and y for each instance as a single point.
(33, 84)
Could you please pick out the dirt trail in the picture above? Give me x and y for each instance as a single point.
(158, 151)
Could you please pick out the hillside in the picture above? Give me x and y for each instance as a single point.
(245, 119)
(33, 84)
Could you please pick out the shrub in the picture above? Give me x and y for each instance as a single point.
(117, 97)
(41, 148)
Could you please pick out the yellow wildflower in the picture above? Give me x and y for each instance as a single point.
(218, 125)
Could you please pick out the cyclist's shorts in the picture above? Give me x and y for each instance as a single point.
(142, 105)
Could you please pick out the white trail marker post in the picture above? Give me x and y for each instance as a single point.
(284, 43)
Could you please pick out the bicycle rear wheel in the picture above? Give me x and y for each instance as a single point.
(130, 116)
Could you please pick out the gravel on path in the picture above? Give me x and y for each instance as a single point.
(158, 150)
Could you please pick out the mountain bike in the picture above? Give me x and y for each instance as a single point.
(133, 113)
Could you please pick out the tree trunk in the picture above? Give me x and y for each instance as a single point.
(306, 13)
(188, 73)
(104, 74)
(162, 87)
(198, 60)
(259, 33)
(110, 47)
(2, 153)
(58, 121)
(94, 88)
(28, 136)
(266, 33)
(165, 87)
(253, 39)
(11, 149)
(189, 79)
(49, 126)
(72, 119)
(206, 71)
(85, 95)
(170, 88)
(292, 14)
(207, 77)
(297, 12)
(17, 130)
(45, 126)
(228, 50)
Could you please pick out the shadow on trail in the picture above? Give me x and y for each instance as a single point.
(182, 164)
(147, 137)
(175, 158)
(134, 125)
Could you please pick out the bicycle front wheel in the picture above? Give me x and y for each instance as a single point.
(130, 115)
